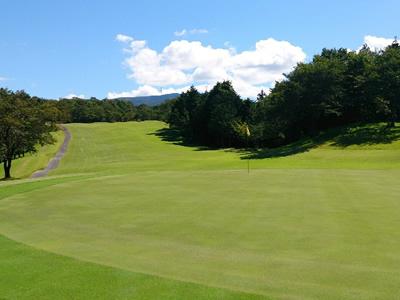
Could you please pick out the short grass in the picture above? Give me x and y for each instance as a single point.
(133, 147)
(320, 223)
(24, 167)
(29, 273)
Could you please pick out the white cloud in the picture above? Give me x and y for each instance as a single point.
(3, 78)
(71, 96)
(184, 32)
(180, 33)
(267, 62)
(123, 38)
(230, 47)
(377, 43)
(183, 63)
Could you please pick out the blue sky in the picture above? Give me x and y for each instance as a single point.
(96, 48)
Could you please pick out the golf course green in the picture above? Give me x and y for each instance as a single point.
(132, 213)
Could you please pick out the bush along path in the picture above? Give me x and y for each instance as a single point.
(56, 160)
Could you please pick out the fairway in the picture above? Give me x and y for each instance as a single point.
(145, 217)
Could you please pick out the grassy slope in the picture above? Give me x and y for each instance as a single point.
(24, 167)
(318, 224)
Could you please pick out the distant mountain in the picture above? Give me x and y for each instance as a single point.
(150, 100)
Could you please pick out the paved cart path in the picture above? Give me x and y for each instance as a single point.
(54, 162)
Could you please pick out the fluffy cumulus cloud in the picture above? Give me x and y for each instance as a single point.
(377, 43)
(183, 63)
(72, 96)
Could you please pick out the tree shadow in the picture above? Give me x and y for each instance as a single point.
(169, 135)
(3, 179)
(367, 135)
(340, 137)
(174, 136)
(283, 151)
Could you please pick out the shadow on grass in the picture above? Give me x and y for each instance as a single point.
(341, 137)
(169, 135)
(367, 135)
(8, 179)
(175, 137)
(283, 151)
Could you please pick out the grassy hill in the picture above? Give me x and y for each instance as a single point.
(133, 213)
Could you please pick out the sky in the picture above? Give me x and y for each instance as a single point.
(56, 49)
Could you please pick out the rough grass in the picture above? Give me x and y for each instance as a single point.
(321, 223)
(26, 166)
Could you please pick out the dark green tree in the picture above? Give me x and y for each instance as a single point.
(186, 114)
(222, 108)
(25, 123)
(388, 68)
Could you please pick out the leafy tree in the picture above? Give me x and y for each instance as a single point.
(25, 123)
(186, 113)
(162, 111)
(144, 112)
(388, 68)
(223, 107)
(360, 87)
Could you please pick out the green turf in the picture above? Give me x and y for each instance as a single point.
(24, 167)
(319, 224)
(28, 273)
(132, 147)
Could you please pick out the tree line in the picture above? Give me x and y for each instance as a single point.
(107, 110)
(337, 87)
(27, 122)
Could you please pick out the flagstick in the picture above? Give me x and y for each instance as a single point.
(244, 129)
(247, 145)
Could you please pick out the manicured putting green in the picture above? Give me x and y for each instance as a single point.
(124, 200)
